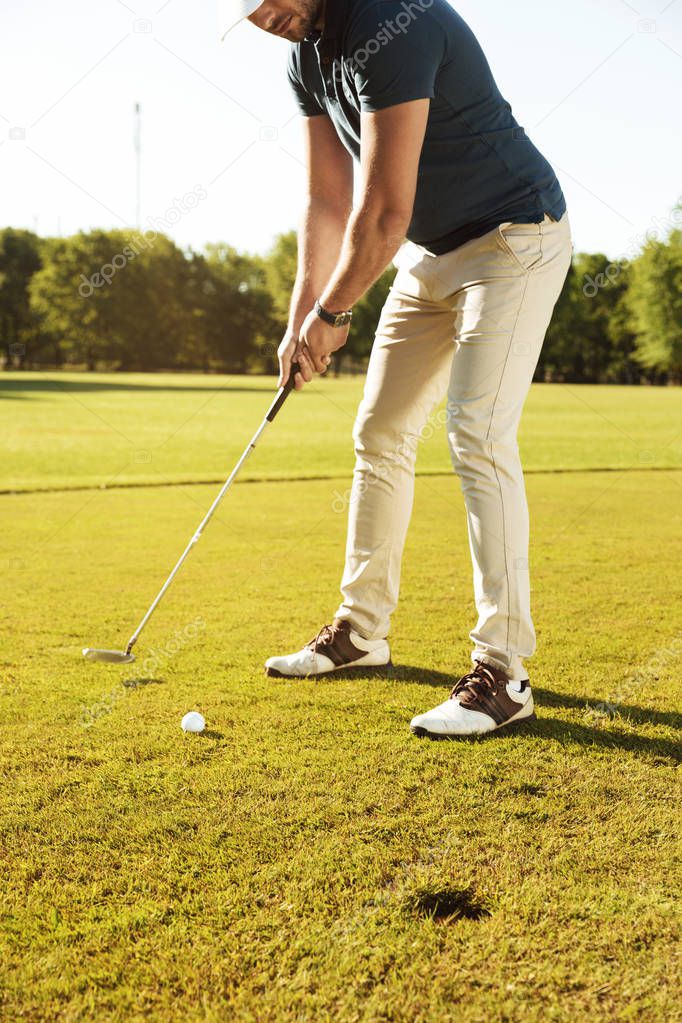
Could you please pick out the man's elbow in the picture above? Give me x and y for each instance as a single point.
(388, 221)
(329, 206)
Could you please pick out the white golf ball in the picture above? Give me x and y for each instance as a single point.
(193, 722)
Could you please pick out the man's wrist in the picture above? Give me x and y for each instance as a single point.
(336, 318)
(303, 299)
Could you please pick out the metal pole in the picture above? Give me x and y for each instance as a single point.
(137, 142)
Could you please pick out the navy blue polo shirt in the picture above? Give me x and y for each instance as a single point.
(478, 168)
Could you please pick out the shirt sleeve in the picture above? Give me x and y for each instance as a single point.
(306, 102)
(397, 49)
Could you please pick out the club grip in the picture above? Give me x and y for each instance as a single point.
(283, 392)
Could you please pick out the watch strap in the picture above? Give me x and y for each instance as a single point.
(333, 319)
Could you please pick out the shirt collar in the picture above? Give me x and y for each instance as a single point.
(330, 37)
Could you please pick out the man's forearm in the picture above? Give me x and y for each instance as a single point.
(320, 238)
(370, 243)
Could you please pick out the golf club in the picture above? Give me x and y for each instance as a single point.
(126, 656)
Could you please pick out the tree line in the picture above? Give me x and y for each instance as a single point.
(130, 301)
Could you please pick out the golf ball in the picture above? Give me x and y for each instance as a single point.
(193, 722)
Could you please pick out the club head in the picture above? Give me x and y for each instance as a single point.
(107, 656)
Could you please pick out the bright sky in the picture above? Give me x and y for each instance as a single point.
(596, 83)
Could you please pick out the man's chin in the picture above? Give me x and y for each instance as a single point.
(296, 35)
(298, 30)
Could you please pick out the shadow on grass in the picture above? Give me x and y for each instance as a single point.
(445, 904)
(543, 697)
(638, 715)
(566, 733)
(584, 733)
(411, 673)
(20, 389)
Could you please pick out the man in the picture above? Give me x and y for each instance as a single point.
(473, 217)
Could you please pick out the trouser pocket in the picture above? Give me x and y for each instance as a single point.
(523, 243)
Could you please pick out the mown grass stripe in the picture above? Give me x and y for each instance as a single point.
(132, 484)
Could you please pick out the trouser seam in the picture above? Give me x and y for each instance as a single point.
(492, 457)
(542, 244)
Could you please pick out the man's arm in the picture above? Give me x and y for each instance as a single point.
(391, 145)
(329, 171)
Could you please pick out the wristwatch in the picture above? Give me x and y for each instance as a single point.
(333, 319)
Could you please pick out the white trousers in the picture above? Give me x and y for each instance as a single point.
(470, 323)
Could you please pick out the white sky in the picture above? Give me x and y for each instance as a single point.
(596, 83)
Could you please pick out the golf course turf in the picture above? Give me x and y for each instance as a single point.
(307, 858)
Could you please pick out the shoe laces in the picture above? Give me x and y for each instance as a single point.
(468, 687)
(324, 636)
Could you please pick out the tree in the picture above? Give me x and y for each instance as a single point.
(655, 300)
(132, 301)
(280, 266)
(582, 339)
(623, 367)
(74, 322)
(280, 276)
(239, 308)
(150, 312)
(365, 320)
(20, 259)
(113, 296)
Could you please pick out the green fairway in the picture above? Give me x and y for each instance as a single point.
(307, 858)
(74, 430)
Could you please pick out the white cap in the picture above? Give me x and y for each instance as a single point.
(231, 12)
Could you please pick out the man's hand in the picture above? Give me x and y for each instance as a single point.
(312, 349)
(289, 350)
(317, 341)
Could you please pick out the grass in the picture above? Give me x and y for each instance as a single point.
(114, 430)
(306, 858)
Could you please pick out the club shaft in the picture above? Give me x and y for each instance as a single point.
(204, 522)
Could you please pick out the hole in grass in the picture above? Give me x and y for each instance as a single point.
(135, 683)
(526, 789)
(446, 904)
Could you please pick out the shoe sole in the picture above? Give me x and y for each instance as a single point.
(349, 670)
(423, 733)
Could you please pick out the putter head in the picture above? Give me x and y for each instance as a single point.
(107, 656)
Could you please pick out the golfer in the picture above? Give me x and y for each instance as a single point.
(456, 195)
